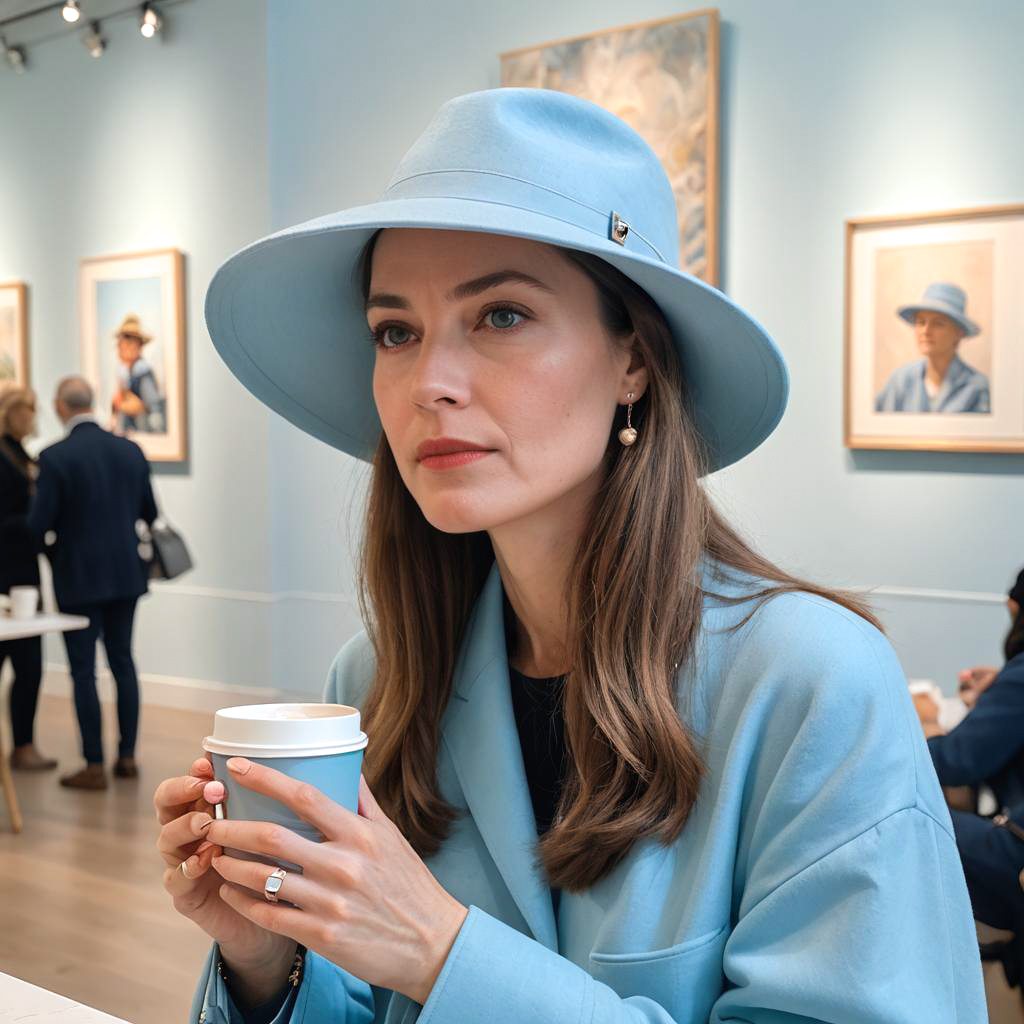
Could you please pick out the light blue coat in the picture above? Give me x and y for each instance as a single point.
(817, 878)
(963, 389)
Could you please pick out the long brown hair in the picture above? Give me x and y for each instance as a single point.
(635, 600)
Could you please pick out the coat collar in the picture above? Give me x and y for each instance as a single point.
(480, 733)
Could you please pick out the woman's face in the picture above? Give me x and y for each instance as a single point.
(499, 342)
(21, 419)
(937, 335)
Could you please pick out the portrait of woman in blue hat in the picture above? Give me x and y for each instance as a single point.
(621, 768)
(940, 381)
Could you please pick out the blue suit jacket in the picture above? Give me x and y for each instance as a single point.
(93, 487)
(816, 880)
(988, 745)
(963, 389)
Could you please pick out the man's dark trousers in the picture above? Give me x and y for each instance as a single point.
(110, 621)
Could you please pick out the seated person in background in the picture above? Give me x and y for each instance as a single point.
(988, 747)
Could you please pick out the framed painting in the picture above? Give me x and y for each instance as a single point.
(14, 368)
(133, 347)
(661, 77)
(935, 331)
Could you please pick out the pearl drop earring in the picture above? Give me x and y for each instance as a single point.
(627, 435)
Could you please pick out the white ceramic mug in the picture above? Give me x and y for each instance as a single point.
(24, 602)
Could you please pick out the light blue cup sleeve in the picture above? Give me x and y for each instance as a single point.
(327, 993)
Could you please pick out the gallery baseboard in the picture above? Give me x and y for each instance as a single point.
(174, 692)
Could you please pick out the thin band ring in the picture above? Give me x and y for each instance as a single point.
(181, 867)
(273, 884)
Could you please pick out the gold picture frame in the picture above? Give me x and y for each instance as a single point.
(132, 309)
(662, 78)
(15, 371)
(906, 275)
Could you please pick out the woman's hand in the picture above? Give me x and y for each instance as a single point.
(974, 682)
(364, 900)
(183, 807)
(926, 708)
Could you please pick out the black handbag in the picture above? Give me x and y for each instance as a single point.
(170, 555)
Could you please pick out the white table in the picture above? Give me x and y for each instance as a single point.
(37, 625)
(20, 1001)
(17, 629)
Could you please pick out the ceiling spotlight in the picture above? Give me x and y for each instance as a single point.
(93, 41)
(151, 22)
(70, 11)
(15, 57)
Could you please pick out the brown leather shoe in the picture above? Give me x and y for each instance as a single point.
(28, 759)
(92, 776)
(126, 768)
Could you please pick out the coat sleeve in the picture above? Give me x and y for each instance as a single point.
(850, 902)
(44, 512)
(148, 512)
(989, 737)
(327, 993)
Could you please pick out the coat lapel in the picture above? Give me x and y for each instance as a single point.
(480, 733)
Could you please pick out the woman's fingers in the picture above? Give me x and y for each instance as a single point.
(183, 883)
(253, 876)
(174, 796)
(178, 837)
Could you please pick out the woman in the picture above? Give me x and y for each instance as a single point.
(988, 747)
(940, 381)
(19, 566)
(738, 827)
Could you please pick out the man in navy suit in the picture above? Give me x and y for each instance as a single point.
(93, 488)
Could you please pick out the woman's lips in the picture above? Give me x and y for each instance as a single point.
(452, 459)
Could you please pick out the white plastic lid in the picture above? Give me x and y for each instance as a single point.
(285, 730)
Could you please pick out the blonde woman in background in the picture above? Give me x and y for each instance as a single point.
(19, 566)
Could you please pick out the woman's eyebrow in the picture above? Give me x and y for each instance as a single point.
(466, 290)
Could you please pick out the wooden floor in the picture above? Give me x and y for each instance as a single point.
(82, 910)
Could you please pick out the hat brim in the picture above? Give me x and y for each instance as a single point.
(969, 327)
(287, 316)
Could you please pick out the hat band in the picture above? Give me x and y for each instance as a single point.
(524, 195)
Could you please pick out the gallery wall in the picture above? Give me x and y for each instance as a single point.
(829, 110)
(251, 117)
(158, 144)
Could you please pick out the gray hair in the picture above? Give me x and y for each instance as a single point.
(76, 394)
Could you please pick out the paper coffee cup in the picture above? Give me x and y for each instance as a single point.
(317, 743)
(24, 602)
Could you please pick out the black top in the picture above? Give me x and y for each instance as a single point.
(537, 704)
(93, 488)
(18, 563)
(988, 745)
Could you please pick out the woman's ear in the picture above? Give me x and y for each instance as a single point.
(636, 376)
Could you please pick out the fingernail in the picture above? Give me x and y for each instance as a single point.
(239, 765)
(203, 847)
(196, 783)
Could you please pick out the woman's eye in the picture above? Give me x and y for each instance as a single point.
(503, 319)
(391, 335)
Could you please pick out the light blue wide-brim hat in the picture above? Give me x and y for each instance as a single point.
(943, 297)
(287, 313)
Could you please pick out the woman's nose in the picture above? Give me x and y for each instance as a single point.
(440, 371)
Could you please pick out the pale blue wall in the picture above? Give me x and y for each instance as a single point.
(157, 144)
(830, 110)
(251, 118)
